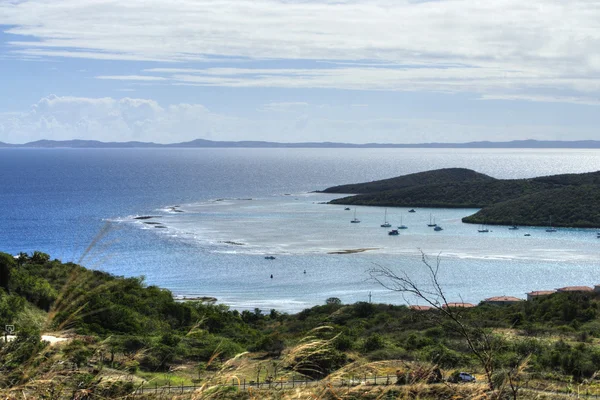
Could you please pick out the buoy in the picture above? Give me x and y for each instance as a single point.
(271, 276)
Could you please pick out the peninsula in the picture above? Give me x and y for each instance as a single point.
(568, 200)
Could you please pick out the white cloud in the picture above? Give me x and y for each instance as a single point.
(125, 119)
(131, 78)
(488, 47)
(545, 99)
(289, 106)
(109, 119)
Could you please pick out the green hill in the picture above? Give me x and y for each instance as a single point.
(122, 335)
(571, 206)
(438, 176)
(570, 199)
(473, 194)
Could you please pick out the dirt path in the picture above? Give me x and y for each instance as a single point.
(47, 338)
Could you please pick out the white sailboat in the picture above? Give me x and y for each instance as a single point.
(483, 229)
(430, 224)
(355, 220)
(402, 226)
(385, 224)
(551, 229)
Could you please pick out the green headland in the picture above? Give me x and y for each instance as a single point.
(568, 200)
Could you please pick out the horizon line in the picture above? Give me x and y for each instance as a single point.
(206, 143)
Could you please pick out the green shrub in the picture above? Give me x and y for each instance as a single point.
(373, 342)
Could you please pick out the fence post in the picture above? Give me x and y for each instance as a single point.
(375, 382)
(293, 379)
(244, 383)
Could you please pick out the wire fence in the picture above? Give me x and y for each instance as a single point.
(373, 380)
(244, 384)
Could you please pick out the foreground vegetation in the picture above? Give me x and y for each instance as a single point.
(569, 199)
(123, 333)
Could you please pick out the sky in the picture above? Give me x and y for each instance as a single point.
(357, 71)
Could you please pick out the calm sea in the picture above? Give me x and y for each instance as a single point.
(221, 211)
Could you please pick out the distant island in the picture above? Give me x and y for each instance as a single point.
(203, 143)
(568, 200)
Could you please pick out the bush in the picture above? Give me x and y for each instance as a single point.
(373, 342)
(77, 352)
(388, 354)
(343, 343)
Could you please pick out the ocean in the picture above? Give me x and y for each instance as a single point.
(217, 213)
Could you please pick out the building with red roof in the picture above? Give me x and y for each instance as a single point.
(502, 300)
(539, 293)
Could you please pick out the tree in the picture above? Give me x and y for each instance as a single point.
(333, 300)
(480, 341)
(40, 258)
(7, 262)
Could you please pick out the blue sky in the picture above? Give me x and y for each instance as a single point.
(356, 71)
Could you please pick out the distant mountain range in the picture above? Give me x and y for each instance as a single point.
(202, 143)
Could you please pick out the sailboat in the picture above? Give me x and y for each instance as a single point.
(402, 226)
(483, 229)
(513, 227)
(385, 224)
(551, 229)
(430, 224)
(355, 220)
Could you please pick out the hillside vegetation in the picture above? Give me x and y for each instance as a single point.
(444, 176)
(569, 199)
(124, 333)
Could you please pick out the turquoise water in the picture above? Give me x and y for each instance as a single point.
(242, 204)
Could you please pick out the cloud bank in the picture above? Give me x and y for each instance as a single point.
(126, 119)
(538, 49)
(108, 119)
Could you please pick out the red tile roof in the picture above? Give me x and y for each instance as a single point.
(541, 292)
(503, 299)
(463, 305)
(575, 289)
(420, 308)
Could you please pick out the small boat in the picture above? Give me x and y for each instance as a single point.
(355, 220)
(551, 229)
(513, 227)
(527, 234)
(347, 209)
(438, 228)
(431, 223)
(385, 224)
(393, 232)
(412, 210)
(269, 258)
(483, 229)
(402, 226)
